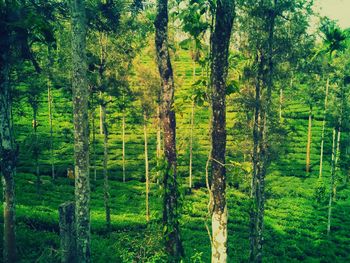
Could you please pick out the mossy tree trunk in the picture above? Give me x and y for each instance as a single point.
(219, 68)
(173, 245)
(8, 156)
(81, 130)
(261, 134)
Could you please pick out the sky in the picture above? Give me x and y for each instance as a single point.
(335, 9)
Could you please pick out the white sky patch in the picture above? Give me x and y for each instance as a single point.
(335, 9)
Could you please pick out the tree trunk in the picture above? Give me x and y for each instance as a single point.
(36, 147)
(337, 155)
(323, 127)
(219, 67)
(159, 141)
(261, 129)
(146, 165)
(191, 128)
(105, 167)
(67, 232)
(8, 164)
(173, 245)
(123, 144)
(191, 143)
(81, 130)
(331, 193)
(308, 146)
(101, 117)
(50, 102)
(281, 103)
(93, 137)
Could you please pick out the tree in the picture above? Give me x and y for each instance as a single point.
(339, 119)
(34, 93)
(16, 20)
(221, 35)
(194, 23)
(81, 130)
(172, 239)
(8, 154)
(103, 105)
(311, 95)
(148, 88)
(268, 46)
(334, 40)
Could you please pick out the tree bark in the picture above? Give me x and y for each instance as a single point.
(261, 129)
(191, 128)
(337, 155)
(159, 141)
(50, 102)
(101, 117)
(281, 103)
(8, 164)
(173, 245)
(219, 67)
(81, 130)
(67, 232)
(323, 128)
(36, 145)
(308, 146)
(146, 166)
(93, 136)
(331, 193)
(123, 145)
(191, 144)
(105, 167)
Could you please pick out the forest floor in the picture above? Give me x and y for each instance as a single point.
(295, 225)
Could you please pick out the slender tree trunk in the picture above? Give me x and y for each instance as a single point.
(159, 141)
(36, 147)
(8, 156)
(281, 103)
(81, 130)
(219, 67)
(261, 129)
(337, 155)
(146, 165)
(173, 245)
(93, 137)
(308, 146)
(123, 144)
(191, 128)
(105, 168)
(255, 224)
(323, 127)
(50, 102)
(101, 117)
(331, 193)
(191, 143)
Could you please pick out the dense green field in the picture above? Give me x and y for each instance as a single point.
(295, 225)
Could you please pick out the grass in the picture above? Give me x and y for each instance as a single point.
(295, 225)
